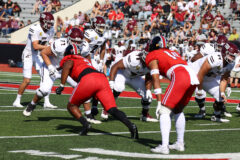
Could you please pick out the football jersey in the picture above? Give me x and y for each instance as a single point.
(119, 53)
(36, 33)
(96, 41)
(216, 62)
(133, 66)
(166, 60)
(79, 64)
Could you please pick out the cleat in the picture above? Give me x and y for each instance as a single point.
(161, 149)
(148, 118)
(238, 107)
(94, 121)
(28, 111)
(49, 106)
(104, 114)
(201, 114)
(134, 132)
(226, 113)
(85, 129)
(17, 104)
(177, 146)
(217, 118)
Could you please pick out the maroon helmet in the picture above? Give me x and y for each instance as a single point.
(221, 40)
(229, 52)
(75, 35)
(98, 24)
(46, 20)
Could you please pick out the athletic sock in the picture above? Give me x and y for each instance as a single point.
(180, 126)
(165, 127)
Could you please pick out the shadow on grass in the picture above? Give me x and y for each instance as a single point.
(190, 116)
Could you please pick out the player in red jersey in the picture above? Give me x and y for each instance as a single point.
(90, 83)
(162, 61)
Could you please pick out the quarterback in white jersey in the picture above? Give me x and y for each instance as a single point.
(96, 39)
(213, 73)
(38, 37)
(129, 70)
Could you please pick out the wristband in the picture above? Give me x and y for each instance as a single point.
(154, 71)
(223, 94)
(158, 91)
(61, 85)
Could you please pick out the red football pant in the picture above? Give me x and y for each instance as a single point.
(93, 84)
(179, 91)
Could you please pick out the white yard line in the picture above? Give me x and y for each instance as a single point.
(232, 156)
(113, 133)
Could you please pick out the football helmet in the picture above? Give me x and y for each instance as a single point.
(221, 40)
(46, 20)
(207, 48)
(157, 43)
(75, 35)
(98, 24)
(229, 52)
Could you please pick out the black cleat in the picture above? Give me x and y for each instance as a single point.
(28, 111)
(85, 129)
(134, 132)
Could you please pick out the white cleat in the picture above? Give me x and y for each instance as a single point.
(177, 146)
(50, 106)
(26, 113)
(238, 108)
(148, 118)
(161, 149)
(227, 114)
(94, 121)
(17, 104)
(29, 109)
(218, 118)
(104, 114)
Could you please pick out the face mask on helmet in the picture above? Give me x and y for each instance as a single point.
(99, 24)
(229, 52)
(75, 36)
(46, 20)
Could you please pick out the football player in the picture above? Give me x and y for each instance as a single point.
(213, 73)
(129, 70)
(162, 61)
(90, 83)
(38, 37)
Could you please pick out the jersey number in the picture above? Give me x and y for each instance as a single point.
(174, 55)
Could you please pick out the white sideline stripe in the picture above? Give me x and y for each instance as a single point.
(233, 156)
(113, 133)
(16, 74)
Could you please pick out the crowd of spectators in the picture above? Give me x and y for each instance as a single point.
(46, 6)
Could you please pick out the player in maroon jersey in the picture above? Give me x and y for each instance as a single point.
(162, 61)
(90, 83)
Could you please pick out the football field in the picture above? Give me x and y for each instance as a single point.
(53, 134)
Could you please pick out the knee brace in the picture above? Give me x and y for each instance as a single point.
(218, 106)
(41, 93)
(116, 93)
(145, 103)
(165, 110)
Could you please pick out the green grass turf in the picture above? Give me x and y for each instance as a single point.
(59, 122)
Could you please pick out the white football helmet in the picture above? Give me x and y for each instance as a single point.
(207, 48)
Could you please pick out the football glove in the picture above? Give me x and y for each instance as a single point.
(52, 71)
(229, 91)
(111, 83)
(149, 95)
(59, 90)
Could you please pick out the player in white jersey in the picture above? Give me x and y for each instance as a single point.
(213, 73)
(118, 51)
(129, 70)
(39, 35)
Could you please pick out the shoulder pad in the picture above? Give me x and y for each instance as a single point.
(59, 46)
(215, 60)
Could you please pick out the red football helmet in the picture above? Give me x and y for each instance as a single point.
(229, 52)
(221, 40)
(46, 20)
(75, 35)
(98, 24)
